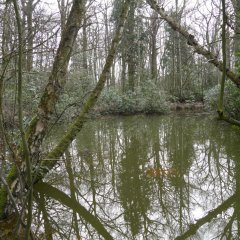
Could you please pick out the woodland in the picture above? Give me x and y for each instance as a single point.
(68, 61)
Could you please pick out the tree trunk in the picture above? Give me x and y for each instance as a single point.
(123, 72)
(80, 120)
(155, 26)
(29, 14)
(131, 61)
(224, 54)
(236, 6)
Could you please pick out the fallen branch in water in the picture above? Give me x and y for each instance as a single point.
(229, 119)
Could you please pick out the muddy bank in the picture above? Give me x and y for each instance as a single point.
(195, 106)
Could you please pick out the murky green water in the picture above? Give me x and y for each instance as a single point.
(150, 177)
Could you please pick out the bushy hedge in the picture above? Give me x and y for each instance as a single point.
(231, 99)
(145, 99)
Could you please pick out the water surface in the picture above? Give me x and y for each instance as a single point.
(149, 177)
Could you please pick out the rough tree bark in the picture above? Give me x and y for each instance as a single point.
(57, 79)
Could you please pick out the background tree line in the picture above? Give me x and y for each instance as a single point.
(154, 63)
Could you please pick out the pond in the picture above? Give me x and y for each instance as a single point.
(150, 177)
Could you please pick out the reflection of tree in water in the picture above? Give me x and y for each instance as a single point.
(91, 160)
(179, 147)
(197, 150)
(133, 190)
(233, 150)
(180, 153)
(172, 150)
(212, 169)
(237, 204)
(112, 159)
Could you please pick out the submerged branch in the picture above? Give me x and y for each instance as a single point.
(233, 121)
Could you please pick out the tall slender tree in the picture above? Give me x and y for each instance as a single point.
(224, 54)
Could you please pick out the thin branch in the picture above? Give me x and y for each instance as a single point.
(3, 180)
(26, 152)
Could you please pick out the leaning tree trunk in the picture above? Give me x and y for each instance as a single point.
(211, 57)
(77, 125)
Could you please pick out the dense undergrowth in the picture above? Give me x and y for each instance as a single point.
(231, 99)
(146, 99)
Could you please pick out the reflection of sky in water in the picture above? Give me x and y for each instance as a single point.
(214, 182)
(198, 212)
(110, 161)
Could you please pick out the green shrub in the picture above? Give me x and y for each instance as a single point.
(145, 99)
(155, 99)
(109, 102)
(231, 99)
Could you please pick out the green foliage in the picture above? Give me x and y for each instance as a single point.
(211, 97)
(237, 64)
(76, 91)
(145, 99)
(155, 100)
(114, 102)
(33, 85)
(231, 99)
